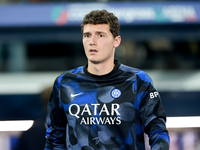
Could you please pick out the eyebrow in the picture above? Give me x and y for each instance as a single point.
(86, 33)
(98, 32)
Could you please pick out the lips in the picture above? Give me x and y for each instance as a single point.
(93, 51)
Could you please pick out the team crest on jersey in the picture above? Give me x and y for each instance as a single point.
(115, 93)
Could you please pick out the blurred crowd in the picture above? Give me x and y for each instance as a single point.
(44, 1)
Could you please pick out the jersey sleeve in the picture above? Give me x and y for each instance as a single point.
(56, 121)
(152, 114)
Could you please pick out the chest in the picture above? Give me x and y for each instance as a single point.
(91, 100)
(90, 92)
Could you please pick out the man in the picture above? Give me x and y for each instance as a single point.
(104, 105)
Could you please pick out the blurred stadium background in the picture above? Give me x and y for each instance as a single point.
(40, 39)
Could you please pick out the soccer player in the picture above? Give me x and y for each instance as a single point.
(104, 105)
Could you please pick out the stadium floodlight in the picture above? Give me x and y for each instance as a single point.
(183, 122)
(19, 125)
(172, 122)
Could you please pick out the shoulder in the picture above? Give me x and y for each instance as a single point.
(69, 74)
(126, 68)
(142, 75)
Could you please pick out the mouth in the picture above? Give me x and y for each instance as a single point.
(93, 50)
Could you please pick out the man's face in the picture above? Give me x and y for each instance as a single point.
(99, 43)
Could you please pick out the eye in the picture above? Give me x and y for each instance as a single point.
(86, 35)
(101, 35)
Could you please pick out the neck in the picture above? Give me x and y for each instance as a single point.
(101, 68)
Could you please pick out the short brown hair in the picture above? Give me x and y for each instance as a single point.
(102, 17)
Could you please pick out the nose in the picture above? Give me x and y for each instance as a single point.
(93, 40)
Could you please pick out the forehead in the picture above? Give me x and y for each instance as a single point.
(96, 28)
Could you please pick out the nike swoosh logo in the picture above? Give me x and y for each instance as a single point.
(74, 95)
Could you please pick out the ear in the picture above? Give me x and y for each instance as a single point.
(117, 41)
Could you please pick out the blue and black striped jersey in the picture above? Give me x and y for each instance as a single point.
(108, 112)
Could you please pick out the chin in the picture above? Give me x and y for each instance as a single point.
(94, 61)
